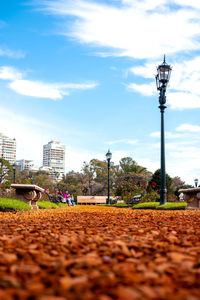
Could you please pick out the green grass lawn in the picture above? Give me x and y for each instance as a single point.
(146, 205)
(46, 204)
(155, 205)
(116, 204)
(60, 204)
(173, 206)
(7, 204)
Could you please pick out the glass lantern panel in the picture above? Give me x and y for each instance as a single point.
(109, 155)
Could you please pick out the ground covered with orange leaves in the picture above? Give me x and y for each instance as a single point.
(89, 252)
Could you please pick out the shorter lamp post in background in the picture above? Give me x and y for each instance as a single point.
(14, 172)
(108, 157)
(162, 79)
(31, 178)
(196, 182)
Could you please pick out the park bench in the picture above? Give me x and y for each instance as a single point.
(28, 193)
(134, 200)
(92, 200)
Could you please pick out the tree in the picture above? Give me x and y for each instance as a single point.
(88, 172)
(6, 170)
(128, 165)
(73, 182)
(178, 184)
(156, 178)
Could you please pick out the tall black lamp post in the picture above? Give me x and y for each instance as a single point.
(14, 172)
(162, 79)
(196, 182)
(108, 157)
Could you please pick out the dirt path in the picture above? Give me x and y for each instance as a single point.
(100, 253)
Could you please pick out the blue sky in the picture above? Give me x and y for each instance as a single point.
(82, 72)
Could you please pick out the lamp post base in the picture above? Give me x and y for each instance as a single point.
(108, 200)
(163, 199)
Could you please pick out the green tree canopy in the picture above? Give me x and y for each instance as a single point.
(6, 170)
(156, 178)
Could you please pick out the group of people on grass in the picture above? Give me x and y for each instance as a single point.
(66, 198)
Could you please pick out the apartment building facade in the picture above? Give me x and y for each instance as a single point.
(7, 148)
(54, 157)
(24, 164)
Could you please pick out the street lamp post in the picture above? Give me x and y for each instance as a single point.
(14, 172)
(108, 156)
(162, 79)
(196, 182)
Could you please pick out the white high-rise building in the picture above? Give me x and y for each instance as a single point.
(54, 157)
(7, 148)
(24, 164)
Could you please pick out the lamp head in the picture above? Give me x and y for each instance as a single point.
(108, 155)
(163, 74)
(196, 182)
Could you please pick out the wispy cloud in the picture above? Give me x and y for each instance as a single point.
(10, 73)
(188, 128)
(132, 29)
(4, 51)
(168, 135)
(144, 89)
(184, 87)
(39, 89)
(122, 141)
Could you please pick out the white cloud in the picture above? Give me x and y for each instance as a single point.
(181, 100)
(144, 89)
(187, 152)
(39, 89)
(146, 71)
(155, 134)
(184, 86)
(149, 164)
(4, 51)
(191, 3)
(168, 135)
(76, 157)
(188, 128)
(29, 134)
(122, 141)
(9, 73)
(140, 29)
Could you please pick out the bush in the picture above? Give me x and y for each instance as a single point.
(151, 196)
(7, 204)
(173, 206)
(46, 204)
(146, 205)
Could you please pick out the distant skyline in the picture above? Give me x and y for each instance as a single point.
(83, 73)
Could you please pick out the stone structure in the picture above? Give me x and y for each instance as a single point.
(191, 196)
(28, 193)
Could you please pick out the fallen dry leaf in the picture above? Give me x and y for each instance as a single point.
(100, 253)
